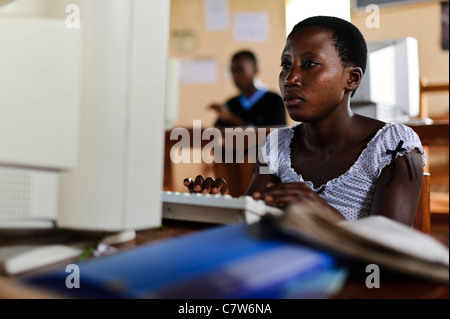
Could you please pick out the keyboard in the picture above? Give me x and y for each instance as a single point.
(216, 209)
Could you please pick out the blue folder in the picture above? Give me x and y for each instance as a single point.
(232, 261)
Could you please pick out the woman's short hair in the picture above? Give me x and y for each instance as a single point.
(348, 40)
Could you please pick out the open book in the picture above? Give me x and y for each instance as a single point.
(375, 239)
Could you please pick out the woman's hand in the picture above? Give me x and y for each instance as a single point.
(283, 194)
(207, 185)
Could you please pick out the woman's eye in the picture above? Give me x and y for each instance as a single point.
(308, 64)
(284, 66)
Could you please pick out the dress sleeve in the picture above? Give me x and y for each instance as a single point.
(394, 140)
(276, 150)
(267, 155)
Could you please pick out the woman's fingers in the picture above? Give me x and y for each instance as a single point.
(198, 183)
(219, 187)
(189, 183)
(207, 185)
(260, 194)
(194, 186)
(283, 198)
(284, 193)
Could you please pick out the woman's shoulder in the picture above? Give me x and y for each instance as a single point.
(384, 132)
(396, 132)
(390, 138)
(369, 126)
(284, 131)
(394, 137)
(280, 137)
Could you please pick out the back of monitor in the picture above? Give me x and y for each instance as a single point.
(82, 117)
(39, 104)
(118, 178)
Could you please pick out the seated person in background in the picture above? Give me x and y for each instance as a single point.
(253, 106)
(341, 162)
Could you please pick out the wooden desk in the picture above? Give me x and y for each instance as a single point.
(393, 286)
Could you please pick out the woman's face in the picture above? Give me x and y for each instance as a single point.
(312, 78)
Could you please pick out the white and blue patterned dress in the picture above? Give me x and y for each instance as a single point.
(352, 192)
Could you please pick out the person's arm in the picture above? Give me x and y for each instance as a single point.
(397, 191)
(261, 179)
(268, 187)
(226, 116)
(283, 195)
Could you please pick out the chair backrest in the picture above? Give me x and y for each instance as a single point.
(422, 221)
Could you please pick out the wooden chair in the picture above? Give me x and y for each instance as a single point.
(422, 221)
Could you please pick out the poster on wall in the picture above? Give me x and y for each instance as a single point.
(216, 15)
(251, 26)
(199, 71)
(444, 21)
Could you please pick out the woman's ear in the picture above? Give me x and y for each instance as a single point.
(354, 78)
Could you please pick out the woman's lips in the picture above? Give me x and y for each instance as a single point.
(291, 100)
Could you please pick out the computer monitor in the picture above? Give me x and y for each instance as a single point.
(82, 117)
(390, 88)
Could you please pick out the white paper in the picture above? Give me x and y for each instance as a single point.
(198, 71)
(251, 26)
(216, 15)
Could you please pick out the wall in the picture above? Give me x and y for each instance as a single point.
(419, 20)
(188, 17)
(423, 22)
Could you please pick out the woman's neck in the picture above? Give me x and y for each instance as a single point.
(334, 130)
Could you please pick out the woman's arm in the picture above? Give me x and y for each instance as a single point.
(397, 191)
(225, 115)
(261, 179)
(284, 194)
(268, 187)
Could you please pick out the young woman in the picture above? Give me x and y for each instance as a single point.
(344, 163)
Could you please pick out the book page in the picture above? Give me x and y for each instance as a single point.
(399, 237)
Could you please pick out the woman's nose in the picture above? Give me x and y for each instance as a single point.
(293, 78)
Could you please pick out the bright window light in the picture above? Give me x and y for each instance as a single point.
(297, 10)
